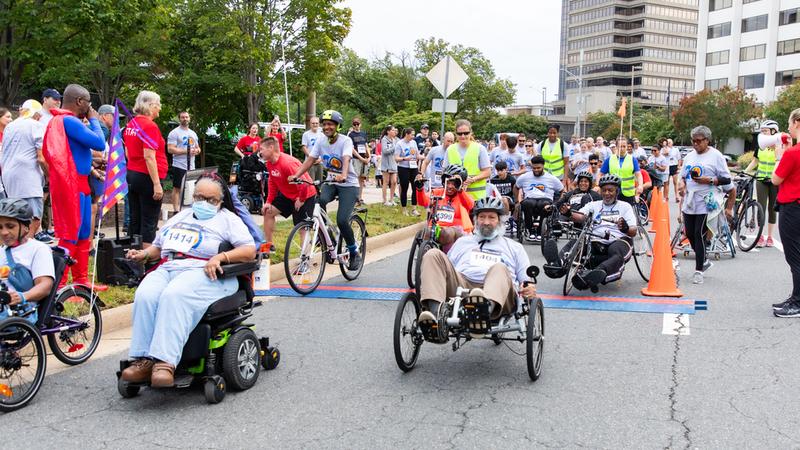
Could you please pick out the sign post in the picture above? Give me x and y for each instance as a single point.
(446, 76)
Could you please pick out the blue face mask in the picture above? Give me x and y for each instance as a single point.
(204, 210)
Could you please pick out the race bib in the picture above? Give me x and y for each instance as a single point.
(181, 240)
(362, 149)
(484, 260)
(332, 163)
(575, 199)
(445, 215)
(412, 163)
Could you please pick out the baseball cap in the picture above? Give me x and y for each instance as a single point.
(105, 109)
(29, 108)
(52, 93)
(424, 126)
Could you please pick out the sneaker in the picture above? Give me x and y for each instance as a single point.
(791, 309)
(43, 237)
(532, 237)
(579, 283)
(770, 242)
(392, 203)
(355, 262)
(707, 265)
(405, 212)
(387, 204)
(594, 277)
(426, 317)
(761, 242)
(139, 371)
(783, 303)
(697, 278)
(414, 212)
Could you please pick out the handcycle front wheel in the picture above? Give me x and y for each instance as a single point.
(303, 260)
(23, 363)
(534, 339)
(643, 253)
(407, 342)
(81, 323)
(360, 235)
(574, 264)
(749, 226)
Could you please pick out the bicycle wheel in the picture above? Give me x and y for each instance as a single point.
(545, 231)
(534, 339)
(81, 326)
(426, 245)
(411, 272)
(676, 238)
(406, 340)
(360, 235)
(749, 226)
(575, 263)
(304, 260)
(643, 253)
(643, 211)
(23, 363)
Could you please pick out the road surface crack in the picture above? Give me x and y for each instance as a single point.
(673, 391)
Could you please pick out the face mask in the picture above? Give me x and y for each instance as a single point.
(204, 210)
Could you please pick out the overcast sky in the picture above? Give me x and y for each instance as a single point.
(520, 38)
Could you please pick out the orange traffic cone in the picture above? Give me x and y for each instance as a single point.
(662, 274)
(655, 209)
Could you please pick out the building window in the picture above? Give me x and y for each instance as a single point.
(754, 23)
(754, 81)
(744, 2)
(716, 58)
(719, 30)
(713, 85)
(627, 53)
(788, 17)
(788, 47)
(753, 52)
(715, 5)
(786, 77)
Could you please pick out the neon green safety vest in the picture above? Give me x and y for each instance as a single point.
(766, 163)
(477, 189)
(625, 173)
(553, 158)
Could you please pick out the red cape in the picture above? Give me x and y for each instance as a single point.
(64, 184)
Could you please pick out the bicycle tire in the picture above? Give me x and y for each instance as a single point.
(360, 234)
(16, 334)
(575, 263)
(301, 286)
(405, 318)
(546, 231)
(72, 305)
(747, 240)
(534, 339)
(411, 272)
(424, 247)
(641, 256)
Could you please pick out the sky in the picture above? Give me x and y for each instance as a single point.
(520, 38)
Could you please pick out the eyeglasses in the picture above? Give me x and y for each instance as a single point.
(594, 163)
(697, 141)
(213, 200)
(463, 133)
(355, 124)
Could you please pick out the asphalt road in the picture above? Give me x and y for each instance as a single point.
(610, 379)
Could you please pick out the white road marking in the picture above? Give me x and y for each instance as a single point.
(676, 324)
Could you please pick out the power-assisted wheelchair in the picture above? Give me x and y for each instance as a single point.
(524, 328)
(223, 349)
(70, 319)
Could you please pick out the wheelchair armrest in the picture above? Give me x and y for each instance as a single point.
(237, 269)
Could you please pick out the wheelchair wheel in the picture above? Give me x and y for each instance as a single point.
(81, 326)
(534, 339)
(574, 264)
(546, 232)
(749, 226)
(214, 389)
(360, 235)
(127, 390)
(406, 340)
(643, 253)
(240, 359)
(411, 272)
(303, 260)
(23, 363)
(643, 211)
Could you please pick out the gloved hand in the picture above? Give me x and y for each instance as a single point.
(419, 184)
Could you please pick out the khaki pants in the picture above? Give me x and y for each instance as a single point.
(436, 268)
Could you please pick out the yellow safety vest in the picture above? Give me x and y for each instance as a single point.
(553, 158)
(766, 163)
(471, 162)
(625, 173)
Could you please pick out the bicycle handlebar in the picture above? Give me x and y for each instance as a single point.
(313, 183)
(741, 172)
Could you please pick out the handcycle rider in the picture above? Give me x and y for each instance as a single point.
(453, 208)
(336, 152)
(486, 262)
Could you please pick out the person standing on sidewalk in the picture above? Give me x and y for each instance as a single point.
(181, 141)
(388, 164)
(407, 157)
(787, 178)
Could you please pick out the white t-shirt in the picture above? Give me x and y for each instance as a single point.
(514, 161)
(407, 149)
(332, 157)
(435, 160)
(598, 210)
(582, 159)
(638, 151)
(659, 160)
(33, 255)
(310, 138)
(183, 139)
(710, 164)
(21, 174)
(544, 186)
(603, 152)
(184, 233)
(673, 156)
(473, 261)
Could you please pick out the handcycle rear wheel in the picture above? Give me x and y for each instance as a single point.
(749, 226)
(360, 235)
(643, 253)
(574, 264)
(72, 309)
(411, 272)
(304, 261)
(21, 348)
(406, 341)
(423, 248)
(534, 339)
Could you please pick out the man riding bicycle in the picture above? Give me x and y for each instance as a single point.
(452, 208)
(486, 262)
(336, 152)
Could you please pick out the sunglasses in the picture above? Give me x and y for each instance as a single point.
(594, 163)
(355, 124)
(463, 133)
(529, 145)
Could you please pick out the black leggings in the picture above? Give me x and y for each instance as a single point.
(695, 226)
(144, 210)
(533, 208)
(789, 228)
(612, 256)
(406, 176)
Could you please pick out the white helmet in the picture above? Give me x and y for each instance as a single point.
(771, 124)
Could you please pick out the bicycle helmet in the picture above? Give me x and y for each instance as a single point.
(489, 204)
(610, 179)
(16, 208)
(586, 174)
(334, 116)
(454, 171)
(771, 124)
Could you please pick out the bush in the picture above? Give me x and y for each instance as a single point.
(744, 160)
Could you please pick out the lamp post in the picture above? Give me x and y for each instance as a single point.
(630, 122)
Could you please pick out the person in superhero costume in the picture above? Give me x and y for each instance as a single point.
(67, 149)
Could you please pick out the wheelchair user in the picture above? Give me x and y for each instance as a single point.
(486, 262)
(613, 218)
(452, 209)
(31, 262)
(537, 191)
(172, 299)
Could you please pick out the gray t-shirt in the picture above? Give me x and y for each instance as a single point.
(544, 186)
(598, 210)
(332, 157)
(603, 152)
(472, 260)
(407, 149)
(659, 160)
(435, 160)
(22, 177)
(183, 139)
(710, 164)
(514, 161)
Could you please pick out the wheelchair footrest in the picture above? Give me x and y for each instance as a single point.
(477, 314)
(183, 381)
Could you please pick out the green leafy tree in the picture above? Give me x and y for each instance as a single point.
(410, 116)
(788, 100)
(654, 124)
(485, 125)
(604, 124)
(725, 111)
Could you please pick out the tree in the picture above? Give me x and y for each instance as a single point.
(654, 124)
(604, 124)
(782, 107)
(485, 125)
(410, 116)
(725, 111)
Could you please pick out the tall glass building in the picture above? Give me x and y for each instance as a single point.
(651, 44)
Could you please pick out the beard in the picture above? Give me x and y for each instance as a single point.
(490, 232)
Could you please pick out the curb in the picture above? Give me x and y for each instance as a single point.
(120, 317)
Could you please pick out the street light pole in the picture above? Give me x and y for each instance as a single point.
(630, 121)
(580, 97)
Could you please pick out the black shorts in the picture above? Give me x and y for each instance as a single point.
(177, 177)
(286, 208)
(673, 170)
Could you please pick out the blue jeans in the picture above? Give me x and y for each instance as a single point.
(167, 306)
(347, 202)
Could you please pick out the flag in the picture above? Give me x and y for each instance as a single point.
(623, 108)
(115, 187)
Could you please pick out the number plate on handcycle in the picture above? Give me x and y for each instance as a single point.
(445, 215)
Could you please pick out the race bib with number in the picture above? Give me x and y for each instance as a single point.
(445, 215)
(362, 149)
(182, 238)
(484, 259)
(412, 163)
(575, 199)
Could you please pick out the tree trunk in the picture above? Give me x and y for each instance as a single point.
(311, 105)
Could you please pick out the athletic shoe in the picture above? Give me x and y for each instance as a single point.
(770, 242)
(550, 253)
(532, 237)
(43, 237)
(414, 212)
(52, 233)
(697, 278)
(761, 242)
(783, 303)
(355, 262)
(392, 203)
(427, 317)
(593, 278)
(792, 309)
(707, 265)
(387, 203)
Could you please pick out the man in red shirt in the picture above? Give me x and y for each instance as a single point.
(284, 198)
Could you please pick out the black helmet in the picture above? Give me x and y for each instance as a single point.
(586, 174)
(609, 179)
(454, 171)
(489, 204)
(334, 116)
(16, 208)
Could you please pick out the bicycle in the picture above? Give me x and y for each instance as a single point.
(421, 245)
(748, 220)
(315, 242)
